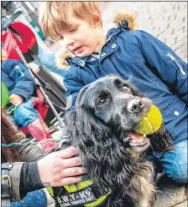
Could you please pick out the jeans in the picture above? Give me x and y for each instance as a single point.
(175, 163)
(24, 114)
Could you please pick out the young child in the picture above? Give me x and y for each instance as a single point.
(21, 88)
(133, 54)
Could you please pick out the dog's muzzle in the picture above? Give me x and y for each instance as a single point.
(135, 105)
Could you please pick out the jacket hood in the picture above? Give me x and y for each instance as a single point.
(62, 56)
(128, 17)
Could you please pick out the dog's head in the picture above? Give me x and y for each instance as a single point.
(114, 101)
(117, 104)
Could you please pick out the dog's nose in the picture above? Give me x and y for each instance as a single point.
(135, 105)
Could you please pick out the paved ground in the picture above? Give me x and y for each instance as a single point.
(171, 194)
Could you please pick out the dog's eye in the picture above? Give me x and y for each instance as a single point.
(101, 101)
(125, 89)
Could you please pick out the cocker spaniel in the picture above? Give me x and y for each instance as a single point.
(101, 126)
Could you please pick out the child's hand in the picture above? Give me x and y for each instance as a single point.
(15, 99)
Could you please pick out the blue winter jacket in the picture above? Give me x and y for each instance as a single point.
(17, 78)
(146, 62)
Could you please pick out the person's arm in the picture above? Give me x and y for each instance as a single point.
(23, 153)
(73, 86)
(19, 73)
(56, 169)
(171, 69)
(15, 176)
(27, 152)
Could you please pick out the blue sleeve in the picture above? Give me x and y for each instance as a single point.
(73, 86)
(171, 69)
(18, 72)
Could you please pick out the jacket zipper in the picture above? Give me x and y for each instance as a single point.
(177, 63)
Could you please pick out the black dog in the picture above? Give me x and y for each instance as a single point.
(105, 115)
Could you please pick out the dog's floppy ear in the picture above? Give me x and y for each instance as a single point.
(80, 94)
(161, 140)
(84, 127)
(88, 127)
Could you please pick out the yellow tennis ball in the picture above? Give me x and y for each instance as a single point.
(151, 122)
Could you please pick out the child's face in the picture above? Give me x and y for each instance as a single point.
(83, 38)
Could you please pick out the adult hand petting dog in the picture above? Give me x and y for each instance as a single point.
(60, 168)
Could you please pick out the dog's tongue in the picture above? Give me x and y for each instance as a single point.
(136, 137)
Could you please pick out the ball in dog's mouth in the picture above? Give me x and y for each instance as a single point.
(148, 124)
(151, 122)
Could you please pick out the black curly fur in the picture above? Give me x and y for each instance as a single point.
(105, 157)
(161, 140)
